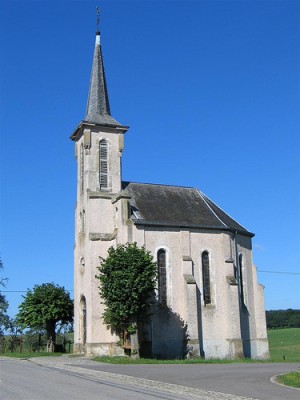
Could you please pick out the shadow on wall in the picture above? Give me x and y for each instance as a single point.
(164, 336)
(245, 331)
(200, 330)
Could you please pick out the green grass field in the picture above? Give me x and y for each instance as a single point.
(284, 344)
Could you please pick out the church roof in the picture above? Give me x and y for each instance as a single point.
(177, 206)
(98, 109)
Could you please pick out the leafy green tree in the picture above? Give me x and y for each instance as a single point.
(44, 307)
(283, 318)
(127, 282)
(294, 321)
(4, 318)
(14, 330)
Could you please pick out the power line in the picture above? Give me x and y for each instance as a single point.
(280, 272)
(22, 291)
(14, 291)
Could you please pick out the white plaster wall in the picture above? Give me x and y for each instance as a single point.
(169, 240)
(216, 326)
(261, 345)
(215, 316)
(99, 219)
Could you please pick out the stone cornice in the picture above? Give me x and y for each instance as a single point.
(105, 237)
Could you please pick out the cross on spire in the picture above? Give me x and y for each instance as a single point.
(98, 110)
(97, 18)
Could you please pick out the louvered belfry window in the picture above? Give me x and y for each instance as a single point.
(103, 164)
(162, 277)
(206, 278)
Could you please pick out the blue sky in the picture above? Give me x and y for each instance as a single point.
(210, 90)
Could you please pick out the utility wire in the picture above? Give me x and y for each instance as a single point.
(22, 291)
(279, 272)
(14, 291)
(267, 272)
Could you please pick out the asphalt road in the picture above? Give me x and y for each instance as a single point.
(249, 380)
(29, 381)
(79, 378)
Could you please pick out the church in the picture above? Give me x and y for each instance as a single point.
(209, 303)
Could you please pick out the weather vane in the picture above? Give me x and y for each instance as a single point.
(97, 17)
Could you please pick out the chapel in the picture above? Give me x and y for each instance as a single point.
(209, 303)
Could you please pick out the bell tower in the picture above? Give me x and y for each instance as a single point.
(99, 142)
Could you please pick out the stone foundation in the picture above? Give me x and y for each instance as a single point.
(98, 349)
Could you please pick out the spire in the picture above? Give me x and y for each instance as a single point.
(98, 110)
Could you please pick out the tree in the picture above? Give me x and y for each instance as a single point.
(44, 307)
(14, 330)
(283, 318)
(4, 318)
(127, 282)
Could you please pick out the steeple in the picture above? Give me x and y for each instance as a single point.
(98, 109)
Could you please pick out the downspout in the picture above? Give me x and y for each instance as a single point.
(235, 264)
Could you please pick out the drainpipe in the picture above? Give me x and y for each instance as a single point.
(236, 259)
(236, 266)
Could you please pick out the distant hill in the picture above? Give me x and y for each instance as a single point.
(283, 319)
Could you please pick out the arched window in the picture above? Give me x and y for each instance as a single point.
(162, 277)
(82, 265)
(241, 279)
(103, 164)
(206, 278)
(81, 168)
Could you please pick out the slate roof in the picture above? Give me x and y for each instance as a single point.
(98, 109)
(177, 206)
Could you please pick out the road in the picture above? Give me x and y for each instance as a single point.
(79, 378)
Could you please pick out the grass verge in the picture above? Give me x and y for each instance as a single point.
(128, 360)
(290, 379)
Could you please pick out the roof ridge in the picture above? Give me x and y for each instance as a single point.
(208, 205)
(225, 212)
(160, 184)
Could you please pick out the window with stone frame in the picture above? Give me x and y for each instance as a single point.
(206, 278)
(162, 277)
(103, 164)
